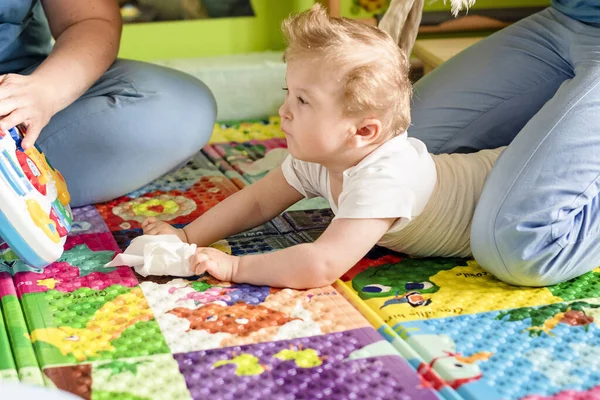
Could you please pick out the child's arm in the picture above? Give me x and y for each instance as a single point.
(243, 210)
(303, 266)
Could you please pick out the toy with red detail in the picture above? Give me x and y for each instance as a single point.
(35, 217)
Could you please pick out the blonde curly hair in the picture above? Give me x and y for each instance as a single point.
(373, 69)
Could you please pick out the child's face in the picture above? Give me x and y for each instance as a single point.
(312, 116)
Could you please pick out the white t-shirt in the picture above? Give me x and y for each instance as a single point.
(395, 181)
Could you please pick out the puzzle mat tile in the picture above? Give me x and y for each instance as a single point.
(83, 316)
(212, 175)
(178, 197)
(427, 375)
(414, 289)
(8, 368)
(247, 162)
(20, 362)
(81, 380)
(349, 364)
(181, 179)
(265, 238)
(244, 131)
(76, 309)
(87, 220)
(175, 207)
(205, 314)
(124, 378)
(253, 159)
(224, 167)
(83, 344)
(80, 266)
(259, 244)
(302, 220)
(259, 240)
(339, 365)
(92, 324)
(101, 320)
(402, 293)
(542, 352)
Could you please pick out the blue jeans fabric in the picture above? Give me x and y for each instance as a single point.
(534, 86)
(138, 122)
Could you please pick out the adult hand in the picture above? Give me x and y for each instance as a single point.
(27, 100)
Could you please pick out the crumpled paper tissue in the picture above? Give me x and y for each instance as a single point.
(157, 255)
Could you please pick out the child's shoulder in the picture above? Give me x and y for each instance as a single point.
(396, 156)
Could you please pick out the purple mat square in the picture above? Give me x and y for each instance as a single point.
(317, 367)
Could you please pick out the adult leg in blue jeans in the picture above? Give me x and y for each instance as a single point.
(138, 122)
(535, 86)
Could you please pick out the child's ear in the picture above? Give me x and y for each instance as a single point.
(368, 131)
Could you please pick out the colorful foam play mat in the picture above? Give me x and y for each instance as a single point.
(393, 327)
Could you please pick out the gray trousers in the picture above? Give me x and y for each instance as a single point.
(138, 122)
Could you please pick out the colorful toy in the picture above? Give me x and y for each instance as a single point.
(35, 216)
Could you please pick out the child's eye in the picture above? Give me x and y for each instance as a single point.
(284, 88)
(302, 101)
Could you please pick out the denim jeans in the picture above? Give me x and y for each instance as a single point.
(534, 86)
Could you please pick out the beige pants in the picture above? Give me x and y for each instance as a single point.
(443, 228)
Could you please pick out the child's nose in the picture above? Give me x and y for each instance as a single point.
(284, 112)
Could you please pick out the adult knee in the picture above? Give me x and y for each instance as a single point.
(514, 256)
(176, 111)
(190, 110)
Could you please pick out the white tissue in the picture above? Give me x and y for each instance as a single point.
(157, 255)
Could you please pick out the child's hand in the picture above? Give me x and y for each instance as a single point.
(220, 265)
(153, 226)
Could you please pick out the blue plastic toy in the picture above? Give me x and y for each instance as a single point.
(35, 217)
